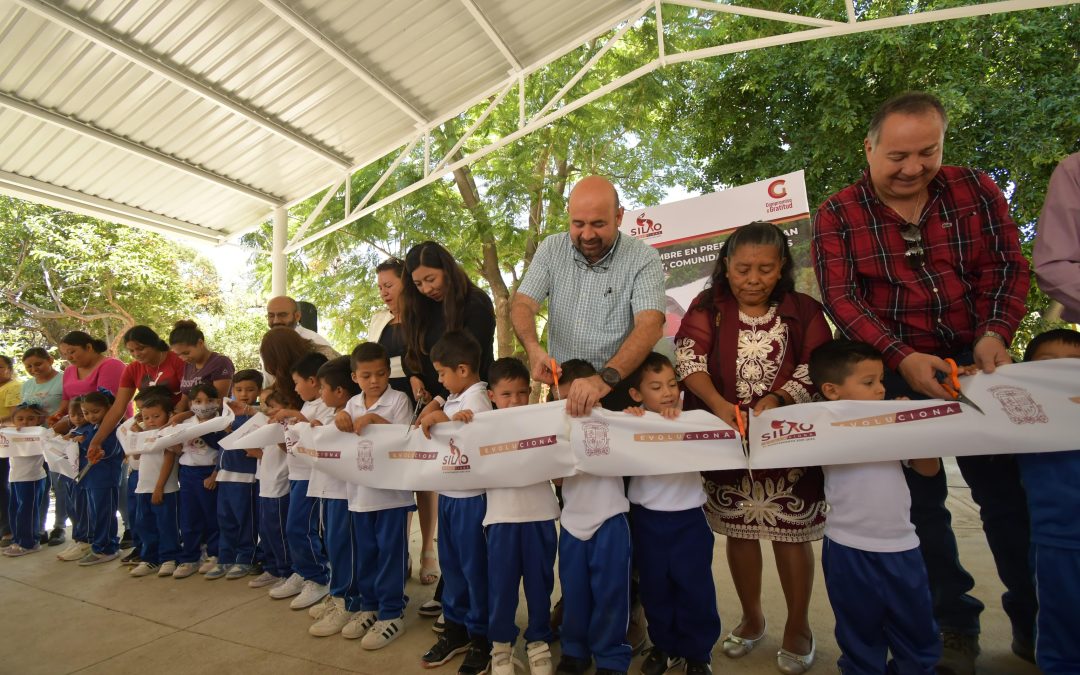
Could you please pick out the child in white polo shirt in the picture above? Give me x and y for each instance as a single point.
(157, 494)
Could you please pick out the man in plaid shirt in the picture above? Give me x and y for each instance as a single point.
(923, 261)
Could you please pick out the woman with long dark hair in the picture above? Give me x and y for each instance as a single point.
(89, 369)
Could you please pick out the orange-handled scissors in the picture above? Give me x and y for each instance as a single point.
(555, 375)
(743, 424)
(951, 384)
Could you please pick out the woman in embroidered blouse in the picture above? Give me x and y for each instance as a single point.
(746, 341)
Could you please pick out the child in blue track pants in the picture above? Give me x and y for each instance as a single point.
(379, 517)
(336, 387)
(874, 573)
(1053, 502)
(521, 543)
(27, 483)
(79, 545)
(462, 546)
(673, 543)
(272, 479)
(156, 499)
(311, 569)
(198, 482)
(130, 485)
(100, 485)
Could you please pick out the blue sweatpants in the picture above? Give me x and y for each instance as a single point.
(158, 527)
(340, 550)
(882, 604)
(673, 551)
(302, 532)
(382, 540)
(236, 523)
(133, 510)
(80, 528)
(24, 510)
(273, 512)
(595, 576)
(198, 514)
(101, 505)
(524, 554)
(1057, 582)
(463, 558)
(65, 490)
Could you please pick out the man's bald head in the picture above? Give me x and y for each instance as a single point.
(595, 215)
(282, 311)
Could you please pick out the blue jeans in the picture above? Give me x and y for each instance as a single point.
(995, 486)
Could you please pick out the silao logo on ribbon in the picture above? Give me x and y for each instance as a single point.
(787, 432)
(456, 460)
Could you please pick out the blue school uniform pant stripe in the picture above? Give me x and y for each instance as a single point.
(158, 527)
(24, 509)
(882, 604)
(237, 523)
(101, 506)
(80, 530)
(524, 555)
(463, 559)
(302, 532)
(133, 509)
(273, 512)
(382, 540)
(595, 577)
(198, 514)
(340, 550)
(1057, 583)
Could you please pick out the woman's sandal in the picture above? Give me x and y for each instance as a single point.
(790, 663)
(429, 573)
(736, 646)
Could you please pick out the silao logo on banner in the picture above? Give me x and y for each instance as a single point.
(784, 431)
(645, 228)
(456, 460)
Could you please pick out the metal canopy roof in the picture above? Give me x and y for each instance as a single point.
(203, 118)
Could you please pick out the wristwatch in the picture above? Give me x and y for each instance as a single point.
(610, 376)
(994, 334)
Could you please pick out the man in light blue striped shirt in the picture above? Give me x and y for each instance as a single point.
(605, 293)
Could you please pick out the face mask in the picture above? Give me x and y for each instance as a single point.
(204, 410)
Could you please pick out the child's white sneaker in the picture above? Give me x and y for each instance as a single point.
(14, 551)
(92, 558)
(143, 569)
(185, 570)
(383, 633)
(287, 587)
(215, 572)
(539, 654)
(208, 564)
(359, 625)
(310, 593)
(76, 551)
(502, 659)
(263, 580)
(333, 619)
(317, 610)
(167, 568)
(238, 571)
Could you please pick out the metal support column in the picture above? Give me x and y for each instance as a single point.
(277, 254)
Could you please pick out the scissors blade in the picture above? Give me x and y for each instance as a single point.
(962, 398)
(415, 414)
(82, 474)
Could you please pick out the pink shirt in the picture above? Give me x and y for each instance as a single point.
(106, 375)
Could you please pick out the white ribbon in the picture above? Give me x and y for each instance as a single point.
(62, 455)
(191, 429)
(257, 432)
(25, 442)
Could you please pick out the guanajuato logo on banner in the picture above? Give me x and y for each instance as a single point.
(596, 438)
(778, 195)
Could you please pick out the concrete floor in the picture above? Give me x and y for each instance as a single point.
(60, 618)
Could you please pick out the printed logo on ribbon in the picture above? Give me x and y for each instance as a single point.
(514, 446)
(4, 441)
(917, 415)
(787, 432)
(1019, 405)
(456, 460)
(421, 455)
(596, 438)
(645, 228)
(328, 454)
(710, 435)
(365, 459)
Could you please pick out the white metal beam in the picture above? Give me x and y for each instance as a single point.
(300, 25)
(278, 263)
(319, 208)
(79, 202)
(84, 129)
(493, 35)
(98, 35)
(709, 6)
(472, 129)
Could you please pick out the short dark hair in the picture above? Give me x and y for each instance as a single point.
(575, 369)
(186, 332)
(907, 103)
(100, 398)
(151, 392)
(457, 348)
(757, 233)
(279, 397)
(507, 368)
(248, 375)
(392, 264)
(655, 362)
(368, 351)
(308, 365)
(33, 407)
(163, 402)
(337, 375)
(204, 388)
(78, 338)
(1063, 335)
(7, 360)
(39, 352)
(834, 361)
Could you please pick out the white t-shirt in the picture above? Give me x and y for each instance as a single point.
(393, 406)
(197, 452)
(23, 469)
(529, 504)
(320, 484)
(150, 469)
(273, 473)
(474, 398)
(588, 501)
(312, 410)
(869, 507)
(670, 492)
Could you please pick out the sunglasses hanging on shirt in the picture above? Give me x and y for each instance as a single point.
(912, 236)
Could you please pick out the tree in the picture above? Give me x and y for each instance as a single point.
(70, 272)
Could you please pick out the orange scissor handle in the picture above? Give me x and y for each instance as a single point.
(739, 422)
(951, 384)
(555, 376)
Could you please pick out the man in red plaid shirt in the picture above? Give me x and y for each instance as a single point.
(923, 261)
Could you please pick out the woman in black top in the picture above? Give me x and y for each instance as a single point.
(441, 298)
(386, 327)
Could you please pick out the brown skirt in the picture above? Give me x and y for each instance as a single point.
(786, 505)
